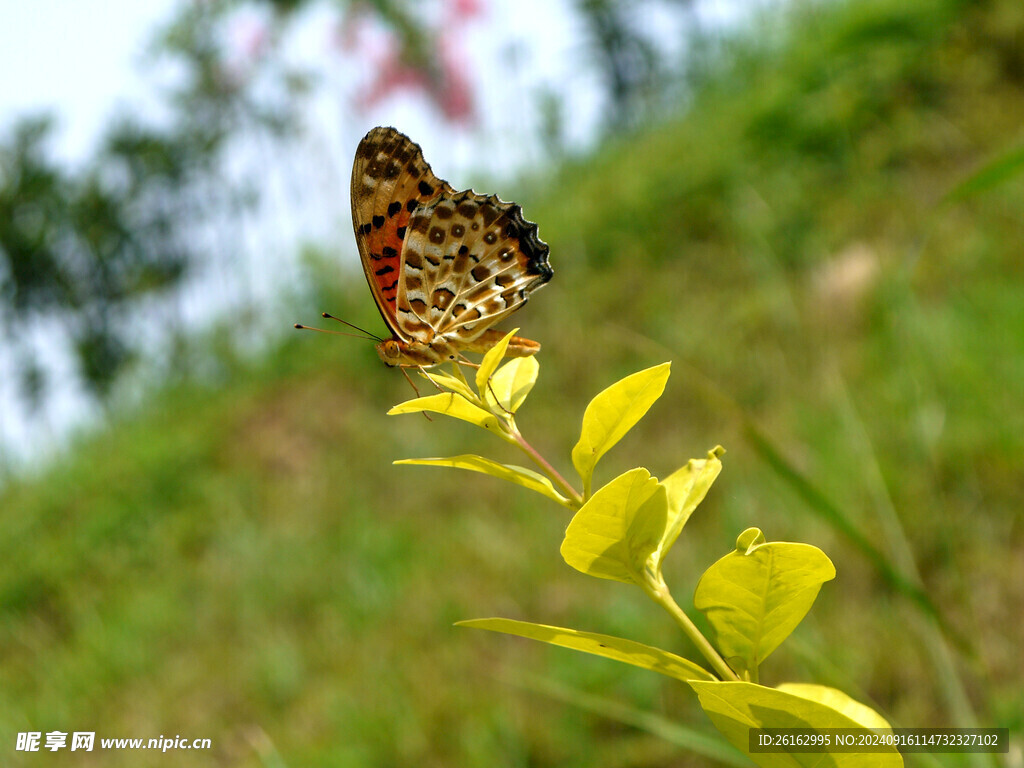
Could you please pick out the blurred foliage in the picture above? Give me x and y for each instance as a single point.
(242, 561)
(635, 74)
(415, 54)
(78, 248)
(84, 246)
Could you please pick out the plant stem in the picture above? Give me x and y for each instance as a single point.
(659, 593)
(550, 471)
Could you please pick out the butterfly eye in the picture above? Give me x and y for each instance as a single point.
(388, 350)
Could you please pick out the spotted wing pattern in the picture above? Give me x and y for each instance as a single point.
(390, 179)
(469, 261)
(443, 266)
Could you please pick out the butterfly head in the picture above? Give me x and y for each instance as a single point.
(390, 352)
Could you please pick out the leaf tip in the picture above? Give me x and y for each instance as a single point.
(749, 540)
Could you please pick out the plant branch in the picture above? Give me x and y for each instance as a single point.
(549, 470)
(659, 593)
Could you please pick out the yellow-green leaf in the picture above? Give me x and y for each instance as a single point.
(613, 413)
(757, 594)
(617, 648)
(686, 488)
(451, 383)
(614, 533)
(490, 362)
(512, 383)
(861, 714)
(452, 405)
(735, 708)
(513, 474)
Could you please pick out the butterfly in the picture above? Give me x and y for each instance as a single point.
(443, 266)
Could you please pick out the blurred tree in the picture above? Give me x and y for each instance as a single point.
(627, 54)
(76, 247)
(419, 51)
(417, 56)
(84, 246)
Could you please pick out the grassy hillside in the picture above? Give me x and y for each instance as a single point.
(240, 561)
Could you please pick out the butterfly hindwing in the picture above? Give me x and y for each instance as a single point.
(469, 261)
(443, 266)
(390, 179)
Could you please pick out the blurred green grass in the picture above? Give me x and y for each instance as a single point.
(240, 561)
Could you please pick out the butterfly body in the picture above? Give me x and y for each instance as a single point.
(443, 266)
(396, 353)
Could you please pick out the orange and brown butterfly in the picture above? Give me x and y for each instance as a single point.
(443, 266)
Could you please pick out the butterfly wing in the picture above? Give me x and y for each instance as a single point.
(469, 261)
(390, 179)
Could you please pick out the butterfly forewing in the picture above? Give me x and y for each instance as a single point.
(390, 179)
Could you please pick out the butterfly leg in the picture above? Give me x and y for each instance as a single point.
(415, 388)
(409, 379)
(496, 400)
(423, 371)
(458, 371)
(463, 360)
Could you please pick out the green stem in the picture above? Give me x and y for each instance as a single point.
(659, 593)
(549, 470)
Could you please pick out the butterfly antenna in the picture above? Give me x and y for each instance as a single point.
(369, 335)
(302, 327)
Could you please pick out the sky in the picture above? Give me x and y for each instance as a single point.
(78, 60)
(82, 59)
